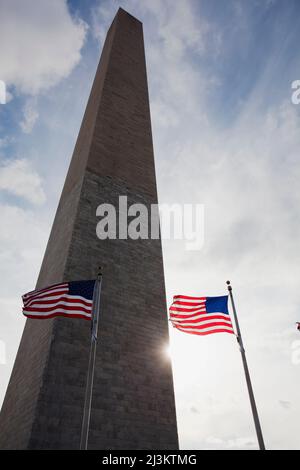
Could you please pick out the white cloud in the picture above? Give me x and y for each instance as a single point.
(23, 238)
(179, 29)
(40, 43)
(30, 116)
(19, 178)
(5, 141)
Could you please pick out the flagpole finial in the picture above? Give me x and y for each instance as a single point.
(99, 273)
(229, 286)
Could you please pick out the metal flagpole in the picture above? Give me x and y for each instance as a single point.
(91, 366)
(248, 380)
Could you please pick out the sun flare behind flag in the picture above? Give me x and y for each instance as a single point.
(68, 299)
(201, 315)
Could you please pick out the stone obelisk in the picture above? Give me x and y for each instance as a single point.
(133, 401)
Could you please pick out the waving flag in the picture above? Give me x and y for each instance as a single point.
(201, 315)
(68, 299)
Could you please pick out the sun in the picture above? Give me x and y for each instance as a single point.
(167, 351)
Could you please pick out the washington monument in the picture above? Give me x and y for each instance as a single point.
(133, 398)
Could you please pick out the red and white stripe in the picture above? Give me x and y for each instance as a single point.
(55, 301)
(188, 314)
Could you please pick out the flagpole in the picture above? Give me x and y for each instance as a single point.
(91, 366)
(247, 374)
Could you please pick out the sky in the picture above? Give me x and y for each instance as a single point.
(226, 135)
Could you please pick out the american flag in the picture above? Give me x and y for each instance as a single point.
(201, 315)
(68, 299)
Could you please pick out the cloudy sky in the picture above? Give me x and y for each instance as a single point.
(226, 135)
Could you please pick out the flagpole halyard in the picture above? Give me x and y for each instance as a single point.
(247, 374)
(91, 365)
